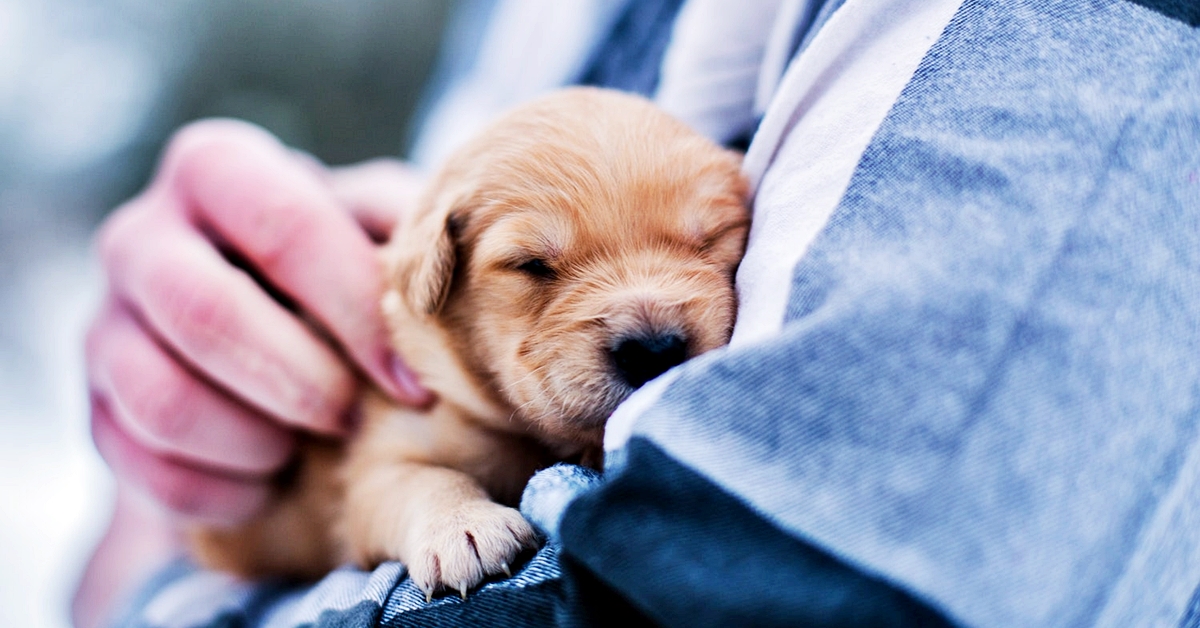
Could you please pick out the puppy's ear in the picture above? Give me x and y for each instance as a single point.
(420, 261)
(429, 282)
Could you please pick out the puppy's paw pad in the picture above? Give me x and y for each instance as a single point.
(475, 541)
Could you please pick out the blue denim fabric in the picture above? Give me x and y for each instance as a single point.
(987, 388)
(683, 552)
(183, 596)
(630, 57)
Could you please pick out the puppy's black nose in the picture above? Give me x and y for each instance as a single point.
(640, 359)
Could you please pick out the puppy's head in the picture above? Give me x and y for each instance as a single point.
(578, 248)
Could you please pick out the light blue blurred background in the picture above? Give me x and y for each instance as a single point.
(89, 89)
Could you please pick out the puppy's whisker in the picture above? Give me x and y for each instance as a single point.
(541, 388)
(529, 375)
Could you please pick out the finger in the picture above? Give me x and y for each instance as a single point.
(183, 490)
(218, 320)
(170, 411)
(377, 193)
(284, 220)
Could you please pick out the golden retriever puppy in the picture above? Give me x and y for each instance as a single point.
(579, 247)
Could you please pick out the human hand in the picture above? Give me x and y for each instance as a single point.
(242, 300)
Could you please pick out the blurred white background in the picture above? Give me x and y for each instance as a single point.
(89, 89)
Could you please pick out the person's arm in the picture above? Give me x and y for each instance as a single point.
(204, 359)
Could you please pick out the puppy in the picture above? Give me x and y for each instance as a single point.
(579, 247)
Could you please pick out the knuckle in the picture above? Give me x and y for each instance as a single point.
(196, 312)
(201, 310)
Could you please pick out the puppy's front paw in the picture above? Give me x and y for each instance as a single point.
(460, 548)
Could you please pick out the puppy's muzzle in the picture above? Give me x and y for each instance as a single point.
(640, 358)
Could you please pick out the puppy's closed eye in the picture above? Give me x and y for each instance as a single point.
(537, 268)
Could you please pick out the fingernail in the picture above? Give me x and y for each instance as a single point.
(410, 387)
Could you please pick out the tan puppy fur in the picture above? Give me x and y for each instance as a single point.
(579, 246)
